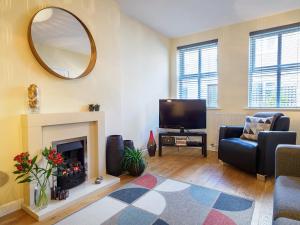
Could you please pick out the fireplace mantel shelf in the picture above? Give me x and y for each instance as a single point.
(49, 119)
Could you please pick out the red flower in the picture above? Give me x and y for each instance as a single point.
(55, 158)
(18, 158)
(19, 167)
(24, 155)
(21, 157)
(59, 155)
(28, 166)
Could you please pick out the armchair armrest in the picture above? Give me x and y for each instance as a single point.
(287, 162)
(230, 132)
(267, 144)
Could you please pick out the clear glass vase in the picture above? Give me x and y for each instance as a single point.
(41, 196)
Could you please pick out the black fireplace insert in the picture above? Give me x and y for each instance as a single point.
(73, 172)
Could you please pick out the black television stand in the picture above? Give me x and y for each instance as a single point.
(182, 133)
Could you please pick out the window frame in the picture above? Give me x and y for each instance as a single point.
(181, 77)
(278, 69)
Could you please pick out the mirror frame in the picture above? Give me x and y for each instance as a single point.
(93, 56)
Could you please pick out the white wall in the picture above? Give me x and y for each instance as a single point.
(145, 69)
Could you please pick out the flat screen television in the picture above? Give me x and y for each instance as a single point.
(182, 113)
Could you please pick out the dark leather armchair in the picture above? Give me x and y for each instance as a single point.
(257, 157)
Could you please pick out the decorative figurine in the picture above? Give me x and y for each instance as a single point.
(53, 192)
(59, 194)
(97, 107)
(33, 98)
(91, 107)
(94, 107)
(98, 180)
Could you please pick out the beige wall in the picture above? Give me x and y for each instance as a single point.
(233, 65)
(112, 83)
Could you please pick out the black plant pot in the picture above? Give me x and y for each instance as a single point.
(114, 155)
(128, 144)
(137, 170)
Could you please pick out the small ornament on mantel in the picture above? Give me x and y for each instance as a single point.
(34, 98)
(99, 180)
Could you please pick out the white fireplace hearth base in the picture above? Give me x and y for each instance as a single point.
(76, 194)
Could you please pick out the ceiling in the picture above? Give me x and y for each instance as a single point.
(175, 18)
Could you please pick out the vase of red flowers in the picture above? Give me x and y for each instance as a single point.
(28, 170)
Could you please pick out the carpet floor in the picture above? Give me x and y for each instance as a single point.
(155, 200)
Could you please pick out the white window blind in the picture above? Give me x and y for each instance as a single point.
(198, 72)
(274, 68)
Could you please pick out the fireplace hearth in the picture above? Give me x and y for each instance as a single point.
(73, 172)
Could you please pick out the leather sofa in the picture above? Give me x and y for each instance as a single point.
(257, 157)
(286, 208)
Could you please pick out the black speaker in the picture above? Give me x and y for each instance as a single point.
(114, 155)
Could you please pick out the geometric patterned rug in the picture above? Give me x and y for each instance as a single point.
(154, 200)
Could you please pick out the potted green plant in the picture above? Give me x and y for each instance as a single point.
(134, 161)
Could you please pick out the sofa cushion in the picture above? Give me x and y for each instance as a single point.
(254, 125)
(276, 116)
(239, 152)
(286, 221)
(287, 197)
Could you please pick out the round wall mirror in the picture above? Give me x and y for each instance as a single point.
(61, 43)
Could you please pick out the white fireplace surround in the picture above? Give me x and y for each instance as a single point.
(41, 130)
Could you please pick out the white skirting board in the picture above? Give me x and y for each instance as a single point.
(10, 207)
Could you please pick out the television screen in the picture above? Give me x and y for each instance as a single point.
(182, 113)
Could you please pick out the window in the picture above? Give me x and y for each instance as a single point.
(197, 72)
(274, 68)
